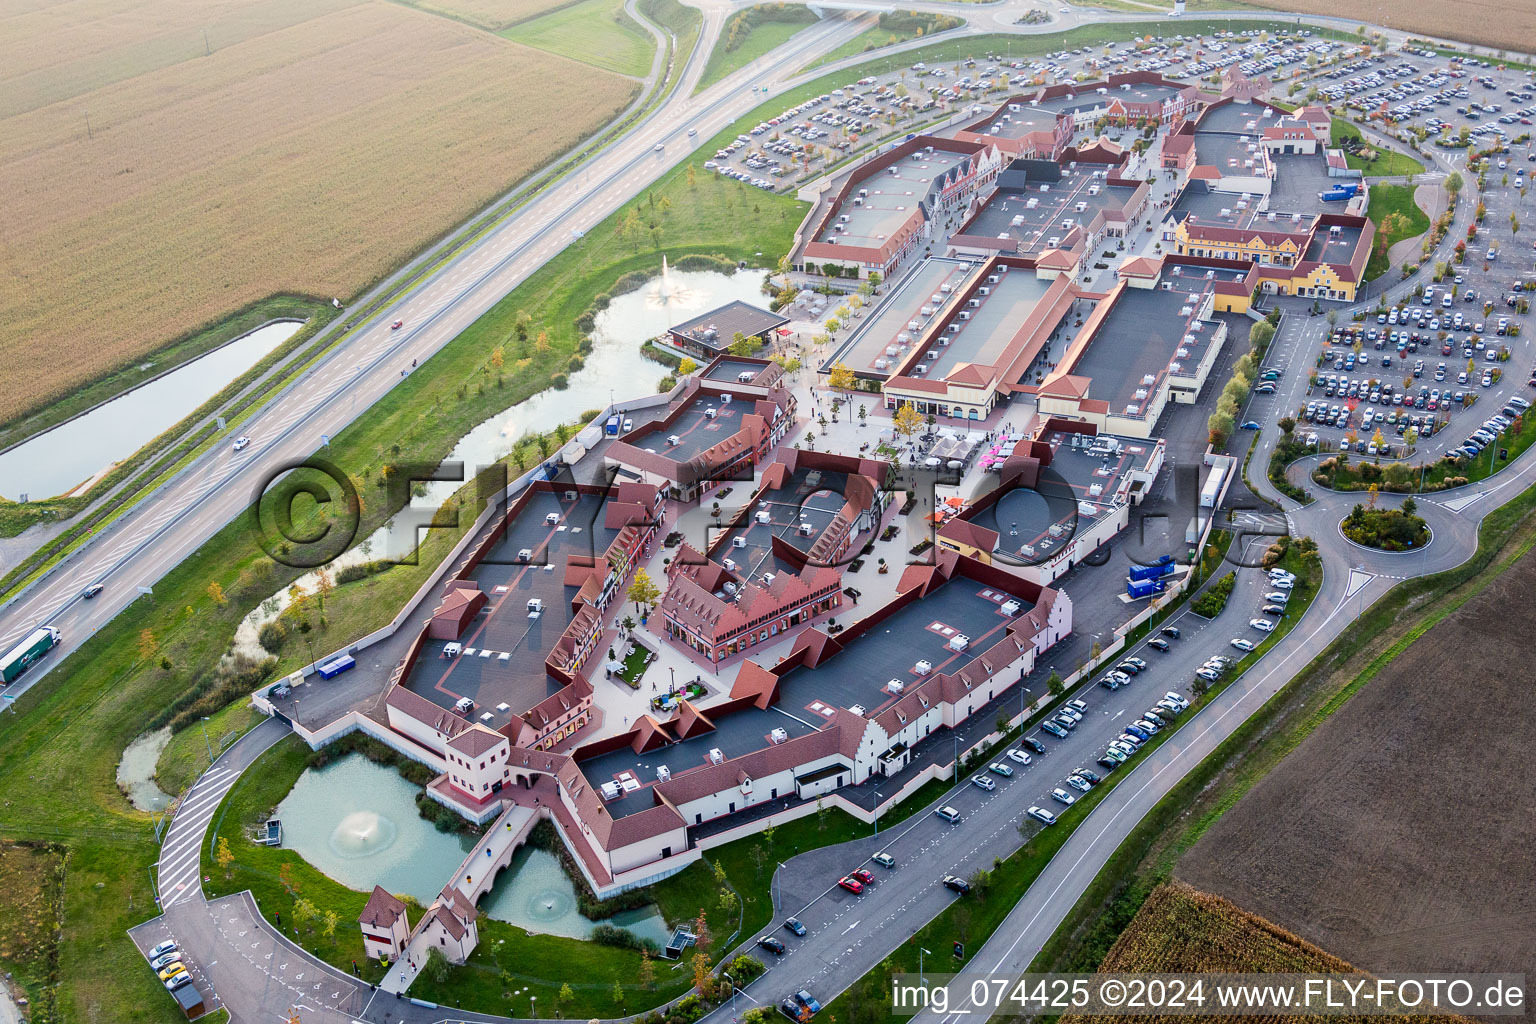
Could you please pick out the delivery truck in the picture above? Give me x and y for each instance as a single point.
(27, 653)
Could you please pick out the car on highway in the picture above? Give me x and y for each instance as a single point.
(1062, 797)
(884, 859)
(983, 782)
(242, 443)
(92, 590)
(1033, 744)
(659, 147)
(1262, 625)
(692, 132)
(772, 945)
(853, 885)
(998, 768)
(1159, 644)
(1251, 425)
(1042, 815)
(1241, 644)
(397, 325)
(1055, 730)
(793, 926)
(958, 885)
(1019, 756)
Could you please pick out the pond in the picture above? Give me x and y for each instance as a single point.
(356, 822)
(136, 771)
(63, 458)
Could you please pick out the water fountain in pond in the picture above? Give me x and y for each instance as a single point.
(670, 294)
(362, 834)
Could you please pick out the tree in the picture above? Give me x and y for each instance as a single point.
(1287, 424)
(686, 367)
(647, 970)
(324, 586)
(1260, 335)
(286, 880)
(565, 996)
(1055, 684)
(498, 358)
(907, 421)
(1410, 506)
(216, 594)
(148, 645)
(435, 967)
(642, 590)
(331, 920)
(727, 900)
(1453, 181)
(701, 976)
(742, 345)
(224, 857)
(840, 376)
(618, 988)
(305, 911)
(701, 929)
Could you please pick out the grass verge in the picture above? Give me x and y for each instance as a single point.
(894, 27)
(1392, 206)
(749, 34)
(596, 32)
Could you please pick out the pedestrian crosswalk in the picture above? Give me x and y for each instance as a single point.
(179, 869)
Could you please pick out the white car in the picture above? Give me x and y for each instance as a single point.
(1282, 584)
(692, 132)
(1262, 625)
(1042, 815)
(242, 443)
(1241, 644)
(1019, 756)
(982, 782)
(1000, 769)
(1062, 797)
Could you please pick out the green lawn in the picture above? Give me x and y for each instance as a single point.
(682, 21)
(1387, 162)
(1386, 200)
(749, 34)
(186, 756)
(894, 27)
(596, 32)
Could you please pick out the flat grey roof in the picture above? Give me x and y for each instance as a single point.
(1239, 119)
(520, 679)
(1091, 98)
(1335, 244)
(696, 431)
(892, 198)
(891, 317)
(1140, 336)
(920, 631)
(729, 370)
(1232, 155)
(1298, 180)
(1032, 217)
(809, 496)
(1206, 204)
(1013, 124)
(982, 338)
(1073, 500)
(728, 319)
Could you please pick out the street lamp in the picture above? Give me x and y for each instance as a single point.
(206, 742)
(920, 951)
(877, 812)
(732, 982)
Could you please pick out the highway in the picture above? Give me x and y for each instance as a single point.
(168, 525)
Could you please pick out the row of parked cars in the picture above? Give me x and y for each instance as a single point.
(1491, 429)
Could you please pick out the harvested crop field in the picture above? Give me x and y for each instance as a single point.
(150, 189)
(1181, 930)
(1495, 23)
(1399, 833)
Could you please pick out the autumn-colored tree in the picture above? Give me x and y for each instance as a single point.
(216, 594)
(647, 970)
(907, 421)
(701, 975)
(148, 645)
(701, 929)
(498, 357)
(840, 376)
(686, 367)
(331, 920)
(223, 856)
(305, 911)
(541, 343)
(643, 590)
(324, 586)
(286, 880)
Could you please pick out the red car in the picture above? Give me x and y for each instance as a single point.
(397, 325)
(864, 875)
(853, 885)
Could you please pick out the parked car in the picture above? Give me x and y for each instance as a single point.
(955, 884)
(1019, 756)
(884, 859)
(162, 949)
(1055, 730)
(1042, 815)
(1062, 797)
(853, 885)
(949, 814)
(983, 782)
(998, 768)
(1262, 625)
(1033, 744)
(1241, 644)
(772, 945)
(793, 925)
(864, 875)
(1170, 631)
(1158, 643)
(1079, 783)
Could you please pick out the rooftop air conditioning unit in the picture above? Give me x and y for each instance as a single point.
(895, 686)
(778, 735)
(863, 192)
(552, 519)
(1082, 205)
(922, 668)
(739, 542)
(1055, 530)
(612, 791)
(730, 565)
(674, 440)
(959, 642)
(882, 364)
(744, 377)
(933, 354)
(1087, 508)
(710, 414)
(1029, 204)
(1010, 608)
(1095, 489)
(763, 515)
(993, 278)
(715, 756)
(806, 529)
(535, 607)
(973, 303)
(768, 579)
(1140, 394)
(983, 290)
(920, 369)
(663, 773)
(525, 554)
(725, 399)
(965, 314)
(1017, 222)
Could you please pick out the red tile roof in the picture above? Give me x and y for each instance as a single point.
(382, 909)
(476, 740)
